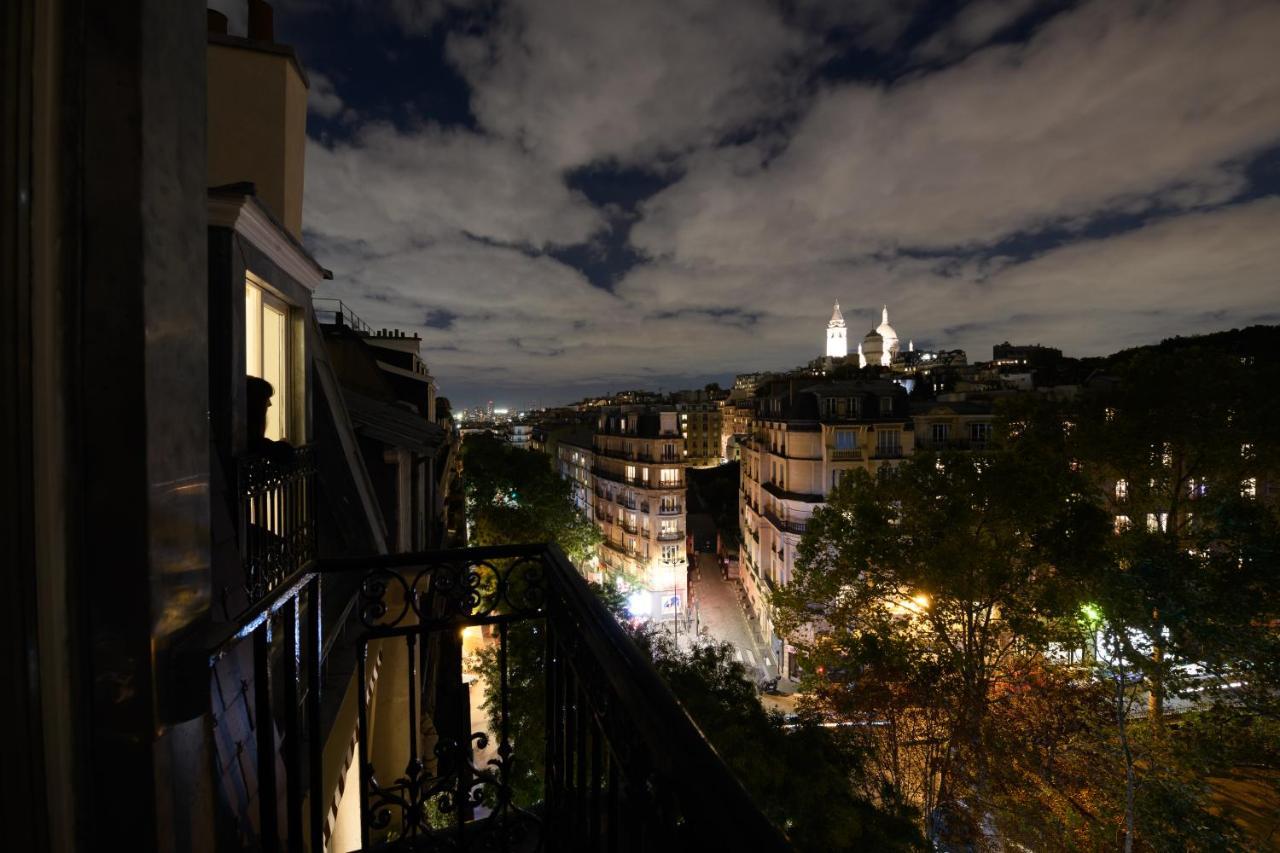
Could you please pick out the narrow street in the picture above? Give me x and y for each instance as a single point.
(719, 617)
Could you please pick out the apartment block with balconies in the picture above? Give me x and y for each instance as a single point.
(802, 439)
(639, 495)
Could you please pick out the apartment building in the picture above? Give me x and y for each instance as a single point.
(701, 427)
(639, 504)
(575, 458)
(803, 438)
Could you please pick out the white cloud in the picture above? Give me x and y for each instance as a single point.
(577, 81)
(1114, 107)
(322, 97)
(397, 190)
(1109, 106)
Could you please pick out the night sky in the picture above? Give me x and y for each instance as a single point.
(570, 196)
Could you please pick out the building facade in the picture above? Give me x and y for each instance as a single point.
(575, 459)
(638, 489)
(803, 438)
(701, 428)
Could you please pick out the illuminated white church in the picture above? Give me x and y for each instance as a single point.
(880, 346)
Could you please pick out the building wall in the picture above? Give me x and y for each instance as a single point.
(642, 515)
(788, 469)
(701, 428)
(257, 109)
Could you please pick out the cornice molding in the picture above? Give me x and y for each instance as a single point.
(244, 216)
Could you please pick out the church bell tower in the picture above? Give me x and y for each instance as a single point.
(837, 335)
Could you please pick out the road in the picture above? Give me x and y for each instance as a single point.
(720, 619)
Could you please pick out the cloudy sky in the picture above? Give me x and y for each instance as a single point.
(571, 196)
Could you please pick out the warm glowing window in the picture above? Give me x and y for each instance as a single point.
(669, 476)
(1122, 489)
(266, 351)
(631, 472)
(1122, 523)
(1249, 488)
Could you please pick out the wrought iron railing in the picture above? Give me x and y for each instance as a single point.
(276, 517)
(622, 766)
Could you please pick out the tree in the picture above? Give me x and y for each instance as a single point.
(1178, 596)
(804, 776)
(514, 497)
(918, 590)
(1178, 445)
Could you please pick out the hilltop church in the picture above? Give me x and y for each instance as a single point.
(880, 346)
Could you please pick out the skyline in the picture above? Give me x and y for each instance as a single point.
(579, 197)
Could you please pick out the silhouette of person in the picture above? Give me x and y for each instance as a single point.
(258, 393)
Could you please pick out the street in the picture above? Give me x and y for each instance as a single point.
(718, 618)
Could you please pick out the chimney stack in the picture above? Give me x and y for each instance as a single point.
(257, 114)
(261, 21)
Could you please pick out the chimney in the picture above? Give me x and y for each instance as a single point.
(261, 22)
(257, 114)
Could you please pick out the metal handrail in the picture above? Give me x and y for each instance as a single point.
(672, 788)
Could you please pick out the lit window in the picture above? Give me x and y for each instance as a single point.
(668, 476)
(1249, 488)
(1122, 523)
(1122, 489)
(1109, 414)
(631, 472)
(1246, 451)
(267, 352)
(1157, 522)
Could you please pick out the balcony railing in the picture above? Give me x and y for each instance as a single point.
(784, 524)
(275, 518)
(844, 454)
(620, 764)
(670, 535)
(335, 312)
(893, 452)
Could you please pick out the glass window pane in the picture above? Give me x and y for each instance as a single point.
(274, 368)
(252, 330)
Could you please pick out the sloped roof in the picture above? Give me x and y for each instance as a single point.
(393, 424)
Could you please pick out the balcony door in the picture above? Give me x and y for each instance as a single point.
(267, 352)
